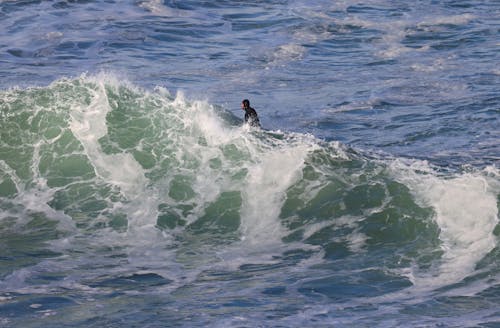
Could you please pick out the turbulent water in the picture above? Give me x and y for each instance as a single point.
(131, 194)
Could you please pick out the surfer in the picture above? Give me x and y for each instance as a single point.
(250, 114)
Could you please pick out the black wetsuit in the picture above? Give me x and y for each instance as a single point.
(251, 117)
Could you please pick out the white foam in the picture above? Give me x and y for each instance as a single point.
(53, 36)
(88, 124)
(395, 31)
(466, 213)
(355, 240)
(144, 243)
(47, 313)
(289, 52)
(310, 36)
(5, 298)
(271, 168)
(274, 171)
(7, 172)
(447, 20)
(393, 51)
(282, 54)
(158, 7)
(36, 197)
(436, 65)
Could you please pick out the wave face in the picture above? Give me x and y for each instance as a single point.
(125, 205)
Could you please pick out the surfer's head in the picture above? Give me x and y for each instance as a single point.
(245, 103)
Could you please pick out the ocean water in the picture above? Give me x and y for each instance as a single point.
(132, 194)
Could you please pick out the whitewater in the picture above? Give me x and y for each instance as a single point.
(132, 194)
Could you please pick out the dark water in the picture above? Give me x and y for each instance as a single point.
(131, 194)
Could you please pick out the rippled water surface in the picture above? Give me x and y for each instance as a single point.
(132, 195)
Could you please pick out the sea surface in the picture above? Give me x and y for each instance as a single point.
(132, 194)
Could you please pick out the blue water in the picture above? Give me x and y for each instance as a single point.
(131, 193)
